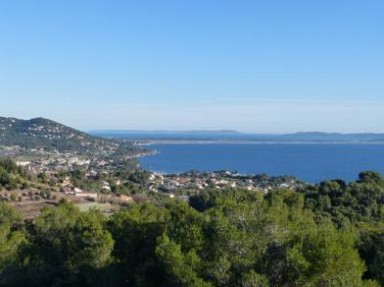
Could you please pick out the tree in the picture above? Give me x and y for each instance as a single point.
(183, 268)
(91, 244)
(135, 231)
(11, 239)
(185, 226)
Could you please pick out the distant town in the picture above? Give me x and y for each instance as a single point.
(58, 162)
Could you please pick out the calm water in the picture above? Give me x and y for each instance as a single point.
(309, 162)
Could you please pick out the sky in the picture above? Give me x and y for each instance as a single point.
(261, 66)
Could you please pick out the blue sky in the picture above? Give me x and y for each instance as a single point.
(266, 66)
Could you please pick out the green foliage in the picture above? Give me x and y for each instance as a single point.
(371, 248)
(12, 241)
(128, 188)
(66, 248)
(182, 267)
(362, 200)
(40, 133)
(8, 215)
(326, 235)
(185, 226)
(11, 175)
(135, 231)
(10, 244)
(326, 256)
(91, 243)
(253, 279)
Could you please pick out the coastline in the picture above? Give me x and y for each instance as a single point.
(312, 163)
(150, 142)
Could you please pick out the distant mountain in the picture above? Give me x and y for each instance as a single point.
(166, 134)
(209, 132)
(50, 136)
(234, 136)
(335, 137)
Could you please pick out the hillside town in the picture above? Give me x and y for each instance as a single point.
(188, 182)
(90, 181)
(45, 162)
(195, 182)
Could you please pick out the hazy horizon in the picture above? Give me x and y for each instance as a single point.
(138, 131)
(266, 67)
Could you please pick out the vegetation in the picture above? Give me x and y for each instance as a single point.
(49, 136)
(11, 175)
(326, 235)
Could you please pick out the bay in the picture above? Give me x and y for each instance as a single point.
(312, 163)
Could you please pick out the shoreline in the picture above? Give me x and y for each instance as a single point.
(241, 142)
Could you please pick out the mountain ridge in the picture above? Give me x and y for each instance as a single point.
(50, 136)
(215, 135)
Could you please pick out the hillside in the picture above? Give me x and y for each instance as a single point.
(49, 136)
(325, 235)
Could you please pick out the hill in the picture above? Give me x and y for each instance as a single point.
(49, 136)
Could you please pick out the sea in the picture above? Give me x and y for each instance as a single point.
(312, 157)
(311, 163)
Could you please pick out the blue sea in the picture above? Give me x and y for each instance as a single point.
(312, 163)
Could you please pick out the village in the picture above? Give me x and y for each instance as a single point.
(107, 183)
(194, 182)
(188, 182)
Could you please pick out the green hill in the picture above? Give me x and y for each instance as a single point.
(49, 136)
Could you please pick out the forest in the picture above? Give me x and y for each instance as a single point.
(330, 234)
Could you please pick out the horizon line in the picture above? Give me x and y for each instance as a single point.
(227, 131)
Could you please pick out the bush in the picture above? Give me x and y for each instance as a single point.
(13, 197)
